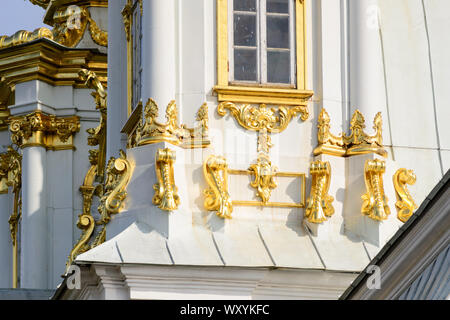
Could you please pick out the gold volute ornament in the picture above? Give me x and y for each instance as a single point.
(149, 130)
(217, 198)
(319, 204)
(374, 200)
(357, 142)
(118, 174)
(166, 192)
(405, 203)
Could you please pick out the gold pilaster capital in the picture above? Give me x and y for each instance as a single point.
(47, 131)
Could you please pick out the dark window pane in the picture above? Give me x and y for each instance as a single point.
(278, 32)
(278, 67)
(244, 65)
(244, 5)
(244, 30)
(278, 6)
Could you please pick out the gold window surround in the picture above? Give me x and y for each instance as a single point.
(127, 15)
(261, 93)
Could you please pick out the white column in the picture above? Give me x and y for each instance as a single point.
(117, 79)
(34, 255)
(367, 83)
(158, 56)
(5, 242)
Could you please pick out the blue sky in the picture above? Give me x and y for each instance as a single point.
(19, 15)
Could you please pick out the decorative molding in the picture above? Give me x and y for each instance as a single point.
(22, 36)
(166, 192)
(358, 142)
(118, 174)
(47, 131)
(69, 25)
(42, 3)
(149, 130)
(319, 204)
(217, 198)
(405, 203)
(98, 35)
(375, 201)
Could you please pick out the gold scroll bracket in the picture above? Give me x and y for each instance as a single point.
(319, 204)
(166, 193)
(374, 200)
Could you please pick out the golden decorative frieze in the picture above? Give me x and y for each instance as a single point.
(319, 204)
(215, 170)
(358, 142)
(374, 200)
(48, 131)
(166, 192)
(149, 130)
(118, 174)
(405, 203)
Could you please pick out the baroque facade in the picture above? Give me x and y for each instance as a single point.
(216, 149)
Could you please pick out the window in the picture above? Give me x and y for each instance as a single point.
(261, 52)
(261, 42)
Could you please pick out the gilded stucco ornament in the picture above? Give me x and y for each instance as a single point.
(99, 36)
(357, 142)
(149, 130)
(264, 178)
(42, 3)
(11, 178)
(374, 200)
(22, 36)
(217, 198)
(405, 203)
(319, 204)
(118, 174)
(166, 192)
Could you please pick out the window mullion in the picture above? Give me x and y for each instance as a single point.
(262, 42)
(293, 45)
(230, 41)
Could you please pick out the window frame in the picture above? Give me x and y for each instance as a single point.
(262, 49)
(254, 92)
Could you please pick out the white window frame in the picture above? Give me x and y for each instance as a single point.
(261, 43)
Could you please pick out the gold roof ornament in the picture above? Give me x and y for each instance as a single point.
(358, 142)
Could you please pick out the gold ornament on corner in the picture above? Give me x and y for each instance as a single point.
(358, 142)
(148, 130)
(405, 203)
(375, 204)
(319, 204)
(166, 192)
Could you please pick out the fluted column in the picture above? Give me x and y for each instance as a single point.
(158, 58)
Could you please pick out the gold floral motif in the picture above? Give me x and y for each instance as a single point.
(217, 198)
(264, 181)
(118, 174)
(256, 118)
(319, 204)
(375, 201)
(48, 131)
(166, 193)
(358, 142)
(405, 203)
(149, 130)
